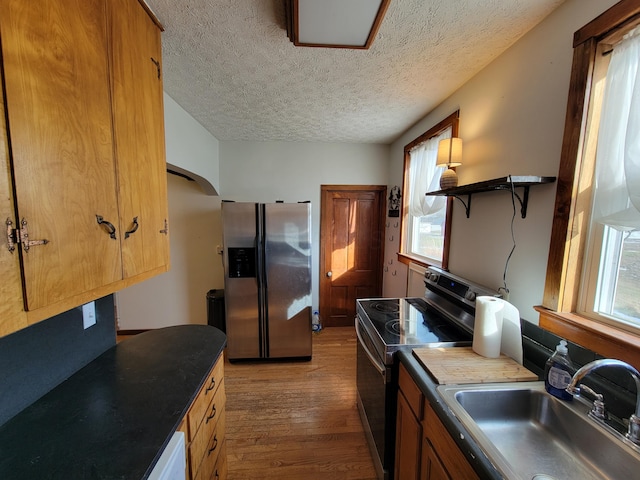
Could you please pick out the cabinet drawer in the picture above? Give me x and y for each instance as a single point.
(217, 470)
(211, 431)
(214, 455)
(203, 399)
(411, 392)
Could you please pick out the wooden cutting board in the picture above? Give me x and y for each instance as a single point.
(462, 365)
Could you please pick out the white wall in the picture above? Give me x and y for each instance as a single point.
(511, 122)
(294, 171)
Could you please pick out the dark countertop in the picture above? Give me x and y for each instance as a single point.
(474, 454)
(112, 418)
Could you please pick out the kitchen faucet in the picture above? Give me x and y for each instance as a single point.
(633, 433)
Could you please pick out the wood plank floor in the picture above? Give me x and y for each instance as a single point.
(298, 420)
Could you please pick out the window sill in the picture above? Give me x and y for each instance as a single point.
(407, 259)
(603, 339)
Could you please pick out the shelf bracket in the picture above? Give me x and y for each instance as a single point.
(524, 201)
(467, 204)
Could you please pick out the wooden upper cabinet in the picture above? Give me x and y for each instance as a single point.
(82, 154)
(12, 314)
(136, 63)
(59, 116)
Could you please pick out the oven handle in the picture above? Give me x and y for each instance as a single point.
(376, 363)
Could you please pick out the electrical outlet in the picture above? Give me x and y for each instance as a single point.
(89, 314)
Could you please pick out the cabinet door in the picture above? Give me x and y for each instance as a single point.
(12, 316)
(59, 118)
(139, 137)
(408, 440)
(432, 468)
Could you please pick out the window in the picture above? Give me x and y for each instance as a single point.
(426, 219)
(612, 269)
(591, 289)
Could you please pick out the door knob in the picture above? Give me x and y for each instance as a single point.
(329, 274)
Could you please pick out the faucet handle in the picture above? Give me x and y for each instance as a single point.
(598, 410)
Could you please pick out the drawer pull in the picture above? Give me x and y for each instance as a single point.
(212, 385)
(213, 413)
(215, 445)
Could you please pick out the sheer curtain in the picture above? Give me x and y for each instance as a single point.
(617, 193)
(425, 177)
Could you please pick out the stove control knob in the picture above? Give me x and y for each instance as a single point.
(470, 295)
(433, 277)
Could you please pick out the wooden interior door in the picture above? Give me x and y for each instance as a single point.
(351, 249)
(138, 112)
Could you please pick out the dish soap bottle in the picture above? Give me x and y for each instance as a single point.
(558, 372)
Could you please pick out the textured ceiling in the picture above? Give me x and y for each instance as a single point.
(230, 64)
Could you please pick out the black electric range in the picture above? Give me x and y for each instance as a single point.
(444, 317)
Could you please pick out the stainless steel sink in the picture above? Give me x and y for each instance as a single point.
(529, 434)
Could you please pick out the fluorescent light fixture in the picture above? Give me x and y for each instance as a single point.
(334, 23)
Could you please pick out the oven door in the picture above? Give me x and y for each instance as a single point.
(376, 400)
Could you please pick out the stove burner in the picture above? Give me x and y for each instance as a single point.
(393, 327)
(386, 307)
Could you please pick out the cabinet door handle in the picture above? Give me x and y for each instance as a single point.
(211, 385)
(213, 413)
(111, 230)
(215, 445)
(133, 230)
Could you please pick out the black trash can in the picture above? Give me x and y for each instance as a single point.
(215, 309)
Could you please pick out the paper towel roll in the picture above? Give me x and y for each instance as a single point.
(497, 329)
(511, 344)
(487, 331)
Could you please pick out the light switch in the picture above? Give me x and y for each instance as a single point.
(89, 314)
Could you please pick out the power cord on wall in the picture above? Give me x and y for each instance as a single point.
(504, 289)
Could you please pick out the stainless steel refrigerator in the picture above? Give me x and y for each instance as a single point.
(267, 269)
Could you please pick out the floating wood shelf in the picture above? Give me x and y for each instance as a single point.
(509, 183)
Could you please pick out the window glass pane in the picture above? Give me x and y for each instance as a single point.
(427, 237)
(617, 291)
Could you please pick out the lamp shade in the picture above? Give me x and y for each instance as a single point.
(450, 152)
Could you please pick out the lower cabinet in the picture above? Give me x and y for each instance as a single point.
(424, 448)
(442, 459)
(408, 428)
(204, 428)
